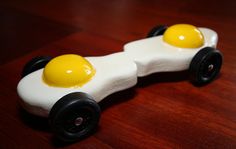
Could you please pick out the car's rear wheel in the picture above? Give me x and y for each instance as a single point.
(75, 116)
(35, 64)
(156, 31)
(205, 66)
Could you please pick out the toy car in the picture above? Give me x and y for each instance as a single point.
(67, 88)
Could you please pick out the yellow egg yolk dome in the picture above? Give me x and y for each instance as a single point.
(184, 36)
(68, 70)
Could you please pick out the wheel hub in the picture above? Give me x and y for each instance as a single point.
(210, 67)
(78, 121)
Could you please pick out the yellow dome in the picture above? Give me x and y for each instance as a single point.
(184, 36)
(68, 70)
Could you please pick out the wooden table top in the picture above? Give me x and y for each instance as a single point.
(163, 110)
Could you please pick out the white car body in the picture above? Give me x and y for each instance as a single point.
(114, 72)
(152, 55)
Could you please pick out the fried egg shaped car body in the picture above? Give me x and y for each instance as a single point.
(179, 47)
(71, 104)
(67, 89)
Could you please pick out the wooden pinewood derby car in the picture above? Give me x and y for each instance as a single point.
(67, 88)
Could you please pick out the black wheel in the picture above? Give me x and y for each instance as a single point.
(156, 31)
(35, 64)
(205, 66)
(74, 117)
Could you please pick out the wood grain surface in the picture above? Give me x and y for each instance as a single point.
(163, 110)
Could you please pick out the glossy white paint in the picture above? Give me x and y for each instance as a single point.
(114, 72)
(153, 55)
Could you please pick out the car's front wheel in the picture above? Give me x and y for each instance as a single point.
(75, 116)
(205, 66)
